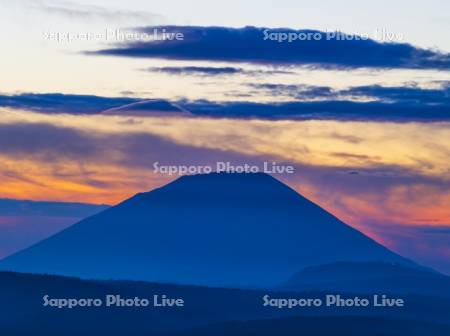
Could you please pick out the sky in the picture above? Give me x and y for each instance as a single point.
(365, 122)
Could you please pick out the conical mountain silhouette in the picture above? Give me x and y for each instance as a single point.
(219, 229)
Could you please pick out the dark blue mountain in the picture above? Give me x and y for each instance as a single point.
(242, 230)
(370, 277)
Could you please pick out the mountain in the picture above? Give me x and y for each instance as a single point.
(218, 229)
(207, 311)
(370, 277)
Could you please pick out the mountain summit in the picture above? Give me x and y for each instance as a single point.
(219, 229)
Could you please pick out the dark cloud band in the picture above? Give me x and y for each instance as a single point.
(308, 102)
(254, 45)
(213, 71)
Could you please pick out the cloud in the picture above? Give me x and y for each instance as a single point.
(47, 142)
(12, 207)
(51, 143)
(23, 223)
(213, 71)
(402, 103)
(54, 145)
(63, 103)
(195, 70)
(410, 93)
(372, 102)
(71, 10)
(300, 91)
(329, 109)
(436, 230)
(255, 45)
(428, 244)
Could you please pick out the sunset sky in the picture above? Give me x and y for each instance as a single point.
(366, 123)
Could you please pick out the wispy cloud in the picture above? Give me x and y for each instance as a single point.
(213, 71)
(85, 12)
(410, 93)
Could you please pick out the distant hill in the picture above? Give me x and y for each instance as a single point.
(370, 277)
(232, 230)
(322, 326)
(207, 311)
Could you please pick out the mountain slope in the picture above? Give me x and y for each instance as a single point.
(370, 277)
(244, 230)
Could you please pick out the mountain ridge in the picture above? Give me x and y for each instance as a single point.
(207, 309)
